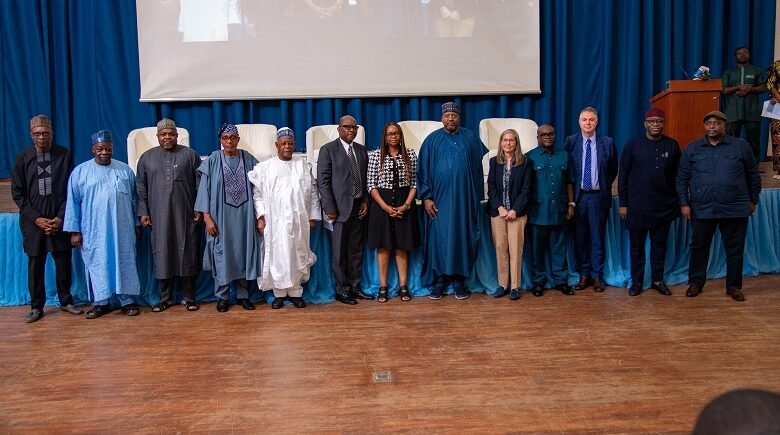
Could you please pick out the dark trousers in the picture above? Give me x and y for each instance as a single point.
(347, 251)
(590, 227)
(36, 272)
(186, 287)
(733, 233)
(548, 246)
(637, 237)
(753, 130)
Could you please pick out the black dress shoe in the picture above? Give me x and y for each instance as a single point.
(500, 292)
(345, 299)
(360, 294)
(736, 294)
(565, 289)
(598, 285)
(634, 291)
(583, 283)
(515, 294)
(277, 303)
(34, 316)
(537, 290)
(222, 305)
(246, 304)
(298, 302)
(693, 291)
(661, 287)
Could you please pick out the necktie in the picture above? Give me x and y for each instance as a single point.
(586, 173)
(353, 170)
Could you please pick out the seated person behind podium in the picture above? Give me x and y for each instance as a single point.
(509, 179)
(100, 214)
(392, 215)
(286, 206)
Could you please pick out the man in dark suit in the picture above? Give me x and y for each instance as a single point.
(341, 178)
(592, 169)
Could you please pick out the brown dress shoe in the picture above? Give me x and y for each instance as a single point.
(693, 291)
(736, 295)
(598, 285)
(583, 283)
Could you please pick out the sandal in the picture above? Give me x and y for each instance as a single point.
(191, 306)
(403, 291)
(131, 310)
(382, 296)
(97, 311)
(159, 308)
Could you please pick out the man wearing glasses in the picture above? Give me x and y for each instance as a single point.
(648, 199)
(341, 178)
(551, 205)
(39, 189)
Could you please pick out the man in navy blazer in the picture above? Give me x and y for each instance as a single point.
(342, 166)
(593, 166)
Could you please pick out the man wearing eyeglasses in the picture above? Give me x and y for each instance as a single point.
(551, 205)
(648, 198)
(342, 166)
(39, 189)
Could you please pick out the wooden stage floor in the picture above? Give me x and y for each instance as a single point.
(590, 363)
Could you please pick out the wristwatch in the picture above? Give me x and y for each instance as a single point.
(572, 204)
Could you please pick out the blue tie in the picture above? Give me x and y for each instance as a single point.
(586, 183)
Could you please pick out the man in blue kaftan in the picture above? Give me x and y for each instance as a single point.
(100, 214)
(233, 243)
(450, 184)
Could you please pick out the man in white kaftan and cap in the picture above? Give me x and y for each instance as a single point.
(100, 215)
(287, 207)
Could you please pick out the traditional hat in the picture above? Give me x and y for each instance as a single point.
(450, 107)
(101, 136)
(165, 124)
(227, 128)
(285, 131)
(40, 121)
(655, 112)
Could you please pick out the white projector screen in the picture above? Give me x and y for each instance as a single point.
(255, 49)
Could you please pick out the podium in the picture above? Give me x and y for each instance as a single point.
(685, 103)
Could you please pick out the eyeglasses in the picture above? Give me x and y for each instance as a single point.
(393, 133)
(229, 137)
(654, 121)
(349, 127)
(546, 134)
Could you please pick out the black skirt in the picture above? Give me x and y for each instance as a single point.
(393, 233)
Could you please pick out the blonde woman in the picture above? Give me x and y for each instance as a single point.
(508, 184)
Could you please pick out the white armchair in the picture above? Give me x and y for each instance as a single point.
(258, 139)
(415, 132)
(319, 135)
(143, 139)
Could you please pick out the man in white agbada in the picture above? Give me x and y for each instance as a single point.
(100, 215)
(287, 206)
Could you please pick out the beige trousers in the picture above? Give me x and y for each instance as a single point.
(509, 237)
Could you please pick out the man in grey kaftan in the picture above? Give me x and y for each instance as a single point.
(167, 183)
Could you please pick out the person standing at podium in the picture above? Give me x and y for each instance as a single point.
(741, 86)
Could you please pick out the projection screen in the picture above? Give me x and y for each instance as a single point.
(258, 49)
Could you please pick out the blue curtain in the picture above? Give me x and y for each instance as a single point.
(77, 61)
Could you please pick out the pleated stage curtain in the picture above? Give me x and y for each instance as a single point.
(77, 61)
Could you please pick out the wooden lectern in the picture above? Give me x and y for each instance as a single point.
(685, 103)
